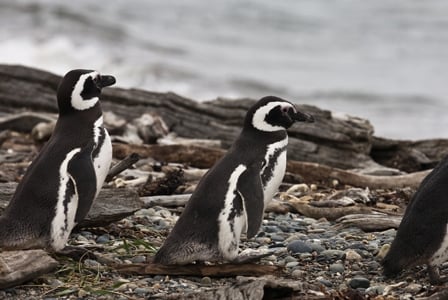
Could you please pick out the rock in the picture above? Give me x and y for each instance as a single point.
(299, 247)
(138, 259)
(338, 140)
(359, 282)
(383, 251)
(331, 255)
(413, 288)
(337, 268)
(102, 239)
(141, 291)
(352, 255)
(206, 280)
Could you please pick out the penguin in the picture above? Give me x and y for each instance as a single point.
(59, 186)
(231, 197)
(422, 234)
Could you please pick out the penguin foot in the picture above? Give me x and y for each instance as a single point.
(434, 276)
(76, 253)
(250, 256)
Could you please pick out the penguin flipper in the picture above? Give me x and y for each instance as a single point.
(82, 172)
(250, 188)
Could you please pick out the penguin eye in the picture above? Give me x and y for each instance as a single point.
(285, 109)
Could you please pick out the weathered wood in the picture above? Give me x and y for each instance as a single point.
(312, 172)
(181, 200)
(195, 156)
(370, 222)
(266, 287)
(126, 163)
(409, 156)
(110, 206)
(17, 267)
(338, 141)
(221, 270)
(329, 213)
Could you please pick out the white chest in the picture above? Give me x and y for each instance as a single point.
(103, 155)
(274, 169)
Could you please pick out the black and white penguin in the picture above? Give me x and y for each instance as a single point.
(231, 197)
(61, 183)
(422, 236)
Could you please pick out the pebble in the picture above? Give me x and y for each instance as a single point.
(299, 273)
(141, 291)
(206, 280)
(330, 255)
(413, 288)
(90, 263)
(383, 251)
(336, 268)
(375, 290)
(359, 282)
(352, 255)
(299, 247)
(292, 264)
(103, 239)
(138, 259)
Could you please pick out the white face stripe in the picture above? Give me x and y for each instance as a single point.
(226, 235)
(258, 120)
(59, 233)
(77, 101)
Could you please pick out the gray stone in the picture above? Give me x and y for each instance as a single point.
(325, 282)
(277, 237)
(91, 263)
(138, 259)
(103, 239)
(331, 255)
(292, 264)
(299, 247)
(359, 282)
(336, 268)
(375, 290)
(141, 291)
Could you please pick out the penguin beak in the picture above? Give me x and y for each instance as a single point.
(302, 117)
(106, 80)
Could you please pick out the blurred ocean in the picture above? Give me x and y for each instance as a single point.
(382, 60)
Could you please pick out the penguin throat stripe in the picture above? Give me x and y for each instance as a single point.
(259, 118)
(78, 102)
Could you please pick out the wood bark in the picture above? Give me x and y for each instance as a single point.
(221, 270)
(17, 267)
(344, 142)
(110, 206)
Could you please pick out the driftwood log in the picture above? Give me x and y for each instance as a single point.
(343, 142)
(17, 267)
(110, 206)
(309, 172)
(266, 287)
(221, 270)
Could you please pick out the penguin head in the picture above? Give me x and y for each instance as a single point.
(271, 114)
(79, 90)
